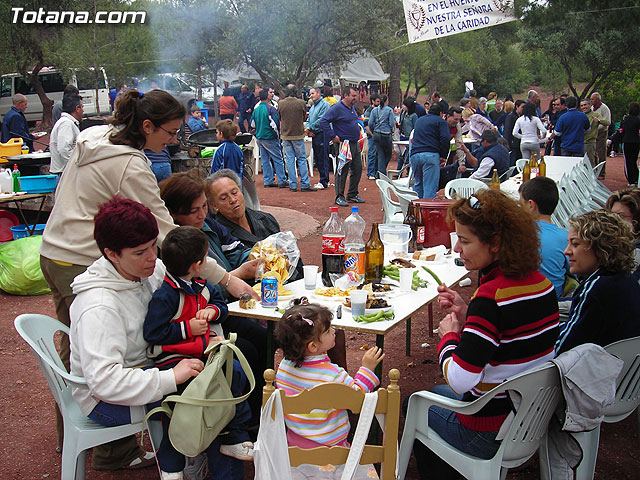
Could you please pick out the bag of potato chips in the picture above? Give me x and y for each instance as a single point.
(278, 254)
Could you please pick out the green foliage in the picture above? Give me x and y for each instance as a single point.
(620, 89)
(587, 46)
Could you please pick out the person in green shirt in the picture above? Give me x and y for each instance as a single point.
(595, 120)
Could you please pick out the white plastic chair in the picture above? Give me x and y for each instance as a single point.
(598, 168)
(392, 209)
(80, 433)
(540, 393)
(627, 400)
(520, 163)
(399, 188)
(506, 175)
(462, 187)
(405, 195)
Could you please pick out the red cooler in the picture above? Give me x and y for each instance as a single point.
(434, 217)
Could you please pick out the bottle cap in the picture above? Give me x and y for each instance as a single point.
(334, 209)
(354, 209)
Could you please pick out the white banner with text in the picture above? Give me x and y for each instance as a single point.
(428, 19)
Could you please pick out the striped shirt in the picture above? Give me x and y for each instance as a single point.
(511, 326)
(326, 427)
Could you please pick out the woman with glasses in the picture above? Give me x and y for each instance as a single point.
(509, 326)
(109, 160)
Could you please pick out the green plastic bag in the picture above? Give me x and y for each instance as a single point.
(20, 272)
(207, 152)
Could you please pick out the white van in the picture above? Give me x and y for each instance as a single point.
(53, 83)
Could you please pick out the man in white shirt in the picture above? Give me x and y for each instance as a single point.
(63, 136)
(603, 130)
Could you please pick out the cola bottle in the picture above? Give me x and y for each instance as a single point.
(332, 249)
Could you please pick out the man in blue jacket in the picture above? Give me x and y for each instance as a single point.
(15, 124)
(429, 149)
(341, 123)
(246, 102)
(571, 128)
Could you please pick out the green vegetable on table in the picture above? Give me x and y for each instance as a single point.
(280, 310)
(435, 277)
(375, 317)
(394, 274)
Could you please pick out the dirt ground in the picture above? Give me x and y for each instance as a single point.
(27, 436)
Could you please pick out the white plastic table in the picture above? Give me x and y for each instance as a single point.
(557, 167)
(404, 305)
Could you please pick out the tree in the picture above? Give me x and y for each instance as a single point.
(27, 47)
(588, 39)
(293, 41)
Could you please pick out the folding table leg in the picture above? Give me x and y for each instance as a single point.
(408, 338)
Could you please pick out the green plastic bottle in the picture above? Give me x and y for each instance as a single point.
(16, 175)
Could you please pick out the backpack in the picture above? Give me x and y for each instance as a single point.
(206, 406)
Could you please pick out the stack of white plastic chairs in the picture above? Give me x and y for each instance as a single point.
(580, 192)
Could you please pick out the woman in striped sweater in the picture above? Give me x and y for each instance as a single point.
(305, 334)
(509, 326)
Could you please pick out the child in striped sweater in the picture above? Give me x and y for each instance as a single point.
(305, 334)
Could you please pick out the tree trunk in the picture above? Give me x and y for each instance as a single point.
(395, 93)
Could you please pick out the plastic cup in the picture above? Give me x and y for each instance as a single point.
(358, 302)
(310, 276)
(454, 239)
(406, 279)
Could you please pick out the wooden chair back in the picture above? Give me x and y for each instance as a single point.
(333, 395)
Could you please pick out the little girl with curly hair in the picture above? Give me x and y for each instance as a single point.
(305, 334)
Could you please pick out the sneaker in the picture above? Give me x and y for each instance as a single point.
(308, 189)
(271, 185)
(240, 451)
(170, 475)
(341, 202)
(147, 459)
(196, 468)
(356, 199)
(371, 177)
(283, 185)
(319, 186)
(293, 189)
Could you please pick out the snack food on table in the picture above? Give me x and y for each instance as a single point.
(422, 255)
(246, 301)
(333, 292)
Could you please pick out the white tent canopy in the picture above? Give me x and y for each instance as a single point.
(363, 67)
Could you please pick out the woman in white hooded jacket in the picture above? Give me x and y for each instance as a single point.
(107, 344)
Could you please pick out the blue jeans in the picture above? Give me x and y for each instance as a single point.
(161, 170)
(270, 150)
(372, 166)
(296, 157)
(426, 172)
(321, 157)
(446, 424)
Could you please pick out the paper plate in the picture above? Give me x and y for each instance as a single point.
(7, 220)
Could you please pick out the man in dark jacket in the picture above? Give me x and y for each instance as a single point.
(494, 156)
(246, 102)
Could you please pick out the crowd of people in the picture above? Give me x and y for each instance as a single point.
(142, 262)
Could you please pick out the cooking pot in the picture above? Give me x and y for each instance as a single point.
(434, 217)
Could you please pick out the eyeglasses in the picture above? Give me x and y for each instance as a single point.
(475, 203)
(171, 134)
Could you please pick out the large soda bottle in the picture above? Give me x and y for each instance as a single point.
(332, 249)
(354, 260)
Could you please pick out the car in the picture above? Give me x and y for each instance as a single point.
(170, 82)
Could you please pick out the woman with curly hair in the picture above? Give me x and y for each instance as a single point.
(606, 305)
(510, 325)
(626, 203)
